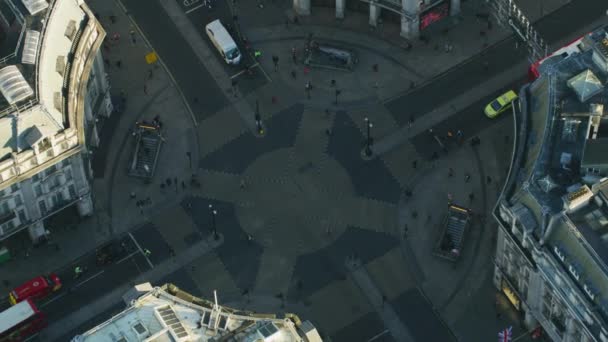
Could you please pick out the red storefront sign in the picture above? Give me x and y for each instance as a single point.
(434, 14)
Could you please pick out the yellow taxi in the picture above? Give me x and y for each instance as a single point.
(502, 103)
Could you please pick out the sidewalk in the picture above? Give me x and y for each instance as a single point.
(150, 92)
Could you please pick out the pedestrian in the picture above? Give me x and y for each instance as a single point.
(450, 172)
(257, 54)
(489, 179)
(116, 37)
(150, 74)
(471, 197)
(183, 185)
(113, 19)
(275, 61)
(294, 56)
(132, 195)
(118, 64)
(107, 63)
(234, 83)
(77, 272)
(405, 230)
(467, 177)
(242, 184)
(412, 84)
(408, 193)
(410, 121)
(414, 164)
(145, 89)
(293, 74)
(308, 87)
(147, 252)
(133, 38)
(375, 67)
(333, 83)
(328, 132)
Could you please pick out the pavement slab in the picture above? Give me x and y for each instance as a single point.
(371, 179)
(209, 274)
(176, 227)
(281, 132)
(275, 272)
(390, 275)
(219, 129)
(376, 216)
(337, 305)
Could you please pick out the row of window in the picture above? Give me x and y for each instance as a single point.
(57, 199)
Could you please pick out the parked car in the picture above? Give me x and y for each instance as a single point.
(35, 289)
(502, 103)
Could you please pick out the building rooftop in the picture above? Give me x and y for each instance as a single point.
(164, 314)
(559, 189)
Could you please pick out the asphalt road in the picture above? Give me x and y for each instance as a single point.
(470, 121)
(193, 79)
(128, 262)
(498, 57)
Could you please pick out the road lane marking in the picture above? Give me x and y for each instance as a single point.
(194, 9)
(141, 250)
(89, 278)
(127, 257)
(59, 296)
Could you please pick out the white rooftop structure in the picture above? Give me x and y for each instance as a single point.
(161, 315)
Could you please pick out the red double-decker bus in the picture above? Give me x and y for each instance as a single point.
(562, 52)
(21, 321)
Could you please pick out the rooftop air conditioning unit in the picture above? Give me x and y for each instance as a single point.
(140, 330)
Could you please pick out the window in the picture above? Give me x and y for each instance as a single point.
(60, 65)
(4, 208)
(14, 188)
(58, 101)
(65, 162)
(72, 191)
(43, 208)
(18, 200)
(22, 216)
(51, 169)
(36, 177)
(10, 225)
(70, 30)
(38, 190)
(68, 174)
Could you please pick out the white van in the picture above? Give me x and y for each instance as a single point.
(223, 42)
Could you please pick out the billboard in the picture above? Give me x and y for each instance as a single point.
(433, 14)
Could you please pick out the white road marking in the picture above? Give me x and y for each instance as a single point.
(61, 295)
(127, 257)
(89, 278)
(378, 335)
(141, 250)
(194, 9)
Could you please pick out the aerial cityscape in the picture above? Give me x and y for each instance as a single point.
(303, 170)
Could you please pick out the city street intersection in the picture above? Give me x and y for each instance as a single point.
(296, 207)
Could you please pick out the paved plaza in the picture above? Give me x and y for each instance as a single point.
(305, 222)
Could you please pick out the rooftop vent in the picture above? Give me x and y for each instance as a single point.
(169, 318)
(585, 85)
(13, 85)
(35, 6)
(30, 48)
(577, 198)
(140, 330)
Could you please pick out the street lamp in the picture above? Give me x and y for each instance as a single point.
(189, 155)
(213, 213)
(258, 118)
(368, 140)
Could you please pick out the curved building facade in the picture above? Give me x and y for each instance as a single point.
(414, 15)
(552, 246)
(54, 91)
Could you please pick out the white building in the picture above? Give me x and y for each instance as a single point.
(414, 15)
(54, 90)
(169, 314)
(552, 248)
